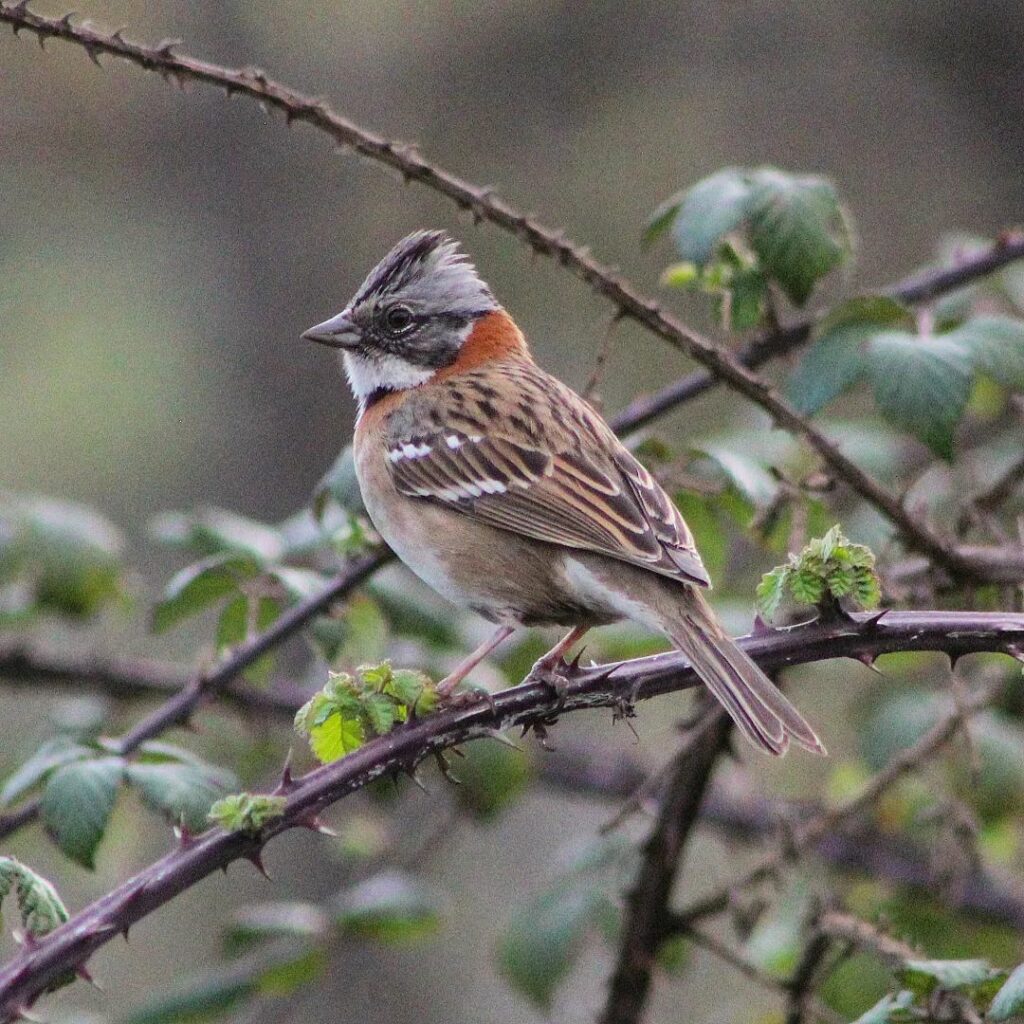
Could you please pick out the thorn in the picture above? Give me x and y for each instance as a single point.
(1015, 651)
(66, 20)
(22, 1013)
(118, 37)
(411, 772)
(83, 972)
(868, 661)
(24, 939)
(255, 858)
(496, 734)
(762, 628)
(92, 54)
(42, 42)
(875, 619)
(286, 783)
(445, 768)
(165, 47)
(184, 835)
(314, 824)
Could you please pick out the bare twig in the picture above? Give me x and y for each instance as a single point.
(845, 926)
(1007, 566)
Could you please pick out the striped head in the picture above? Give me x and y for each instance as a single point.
(409, 318)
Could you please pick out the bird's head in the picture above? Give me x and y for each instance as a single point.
(410, 318)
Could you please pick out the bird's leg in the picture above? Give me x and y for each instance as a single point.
(470, 662)
(547, 666)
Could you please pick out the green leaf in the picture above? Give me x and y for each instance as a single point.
(745, 299)
(40, 907)
(492, 776)
(711, 209)
(246, 812)
(277, 970)
(751, 480)
(198, 586)
(888, 1009)
(390, 907)
(73, 555)
(797, 229)
(661, 220)
(546, 936)
(335, 737)
(77, 803)
(681, 275)
(1009, 1000)
(59, 750)
(923, 976)
(920, 384)
(771, 590)
(994, 346)
(233, 622)
(381, 712)
(216, 531)
(281, 919)
(835, 361)
(832, 365)
(413, 689)
(182, 793)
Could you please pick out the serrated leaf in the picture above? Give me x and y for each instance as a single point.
(710, 210)
(994, 346)
(77, 803)
(198, 586)
(920, 384)
(806, 586)
(59, 750)
(380, 712)
(182, 793)
(1009, 1000)
(771, 590)
(797, 229)
(336, 737)
(414, 689)
(390, 907)
(40, 907)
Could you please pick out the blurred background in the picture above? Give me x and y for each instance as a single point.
(161, 253)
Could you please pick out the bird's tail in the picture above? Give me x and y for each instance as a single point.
(753, 701)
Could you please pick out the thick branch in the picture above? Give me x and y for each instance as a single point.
(484, 205)
(644, 925)
(28, 974)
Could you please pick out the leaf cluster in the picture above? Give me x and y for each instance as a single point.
(828, 569)
(351, 709)
(740, 230)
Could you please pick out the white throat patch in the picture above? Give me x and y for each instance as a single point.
(365, 376)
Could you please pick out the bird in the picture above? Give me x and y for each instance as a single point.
(509, 494)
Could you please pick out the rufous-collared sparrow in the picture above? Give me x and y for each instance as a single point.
(507, 493)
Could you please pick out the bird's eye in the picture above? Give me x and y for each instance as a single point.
(398, 319)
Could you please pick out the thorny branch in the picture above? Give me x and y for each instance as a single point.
(1004, 565)
(744, 818)
(29, 974)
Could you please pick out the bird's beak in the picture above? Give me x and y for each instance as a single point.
(338, 332)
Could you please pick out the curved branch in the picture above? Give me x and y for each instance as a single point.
(29, 973)
(484, 205)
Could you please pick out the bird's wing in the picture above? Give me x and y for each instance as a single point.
(542, 464)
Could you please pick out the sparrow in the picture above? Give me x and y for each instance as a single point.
(508, 493)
